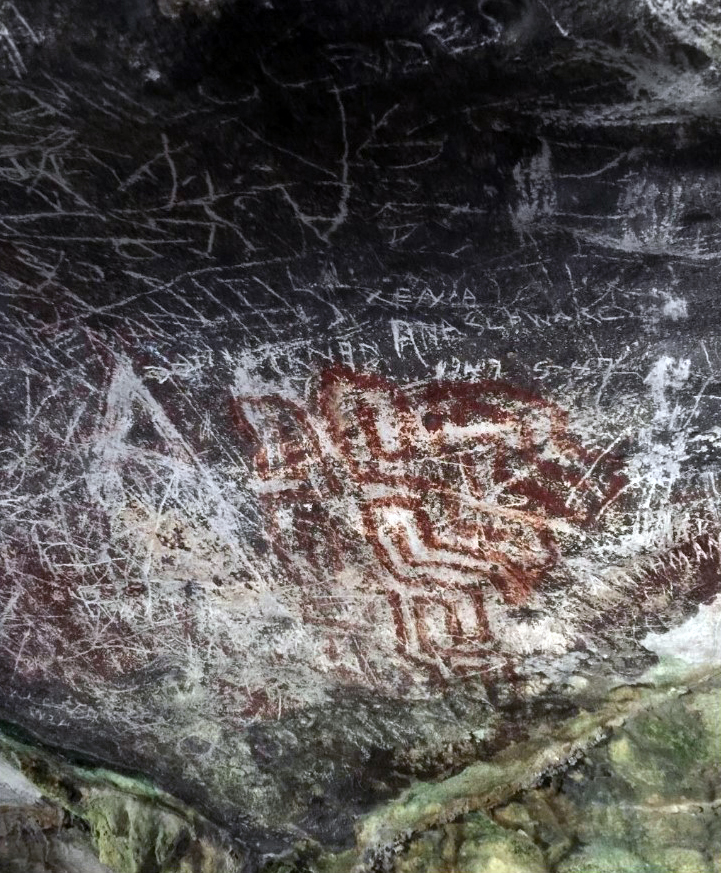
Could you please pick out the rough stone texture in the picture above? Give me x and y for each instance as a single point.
(41, 838)
(359, 408)
(646, 800)
(633, 786)
(130, 825)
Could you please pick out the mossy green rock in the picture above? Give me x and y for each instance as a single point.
(132, 836)
(136, 835)
(134, 827)
(474, 845)
(681, 860)
(661, 752)
(603, 858)
(644, 801)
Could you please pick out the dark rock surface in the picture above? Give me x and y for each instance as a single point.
(359, 401)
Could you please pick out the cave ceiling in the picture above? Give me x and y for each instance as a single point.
(359, 402)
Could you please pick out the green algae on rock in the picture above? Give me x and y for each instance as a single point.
(476, 845)
(646, 798)
(634, 785)
(134, 827)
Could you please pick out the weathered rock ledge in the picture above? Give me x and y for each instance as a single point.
(631, 784)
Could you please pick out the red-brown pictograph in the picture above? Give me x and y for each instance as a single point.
(440, 494)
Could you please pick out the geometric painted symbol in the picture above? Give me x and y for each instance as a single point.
(454, 486)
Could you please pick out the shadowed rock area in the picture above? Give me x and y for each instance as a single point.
(359, 436)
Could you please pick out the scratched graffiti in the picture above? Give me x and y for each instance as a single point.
(355, 382)
(350, 529)
(457, 489)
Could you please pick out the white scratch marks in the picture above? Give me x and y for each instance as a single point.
(173, 172)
